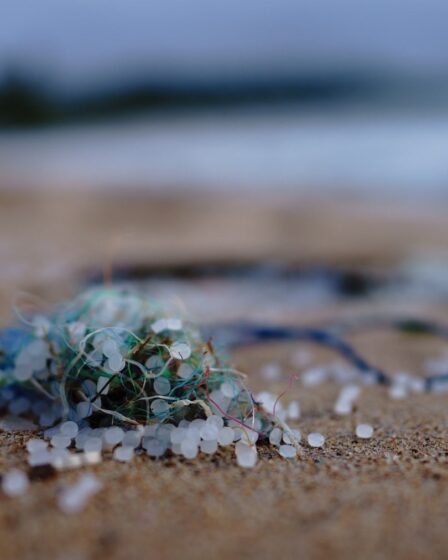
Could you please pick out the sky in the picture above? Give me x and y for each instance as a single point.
(83, 43)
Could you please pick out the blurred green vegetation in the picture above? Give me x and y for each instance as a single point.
(25, 103)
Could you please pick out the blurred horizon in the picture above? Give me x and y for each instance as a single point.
(63, 61)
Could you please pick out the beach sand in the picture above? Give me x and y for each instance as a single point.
(386, 497)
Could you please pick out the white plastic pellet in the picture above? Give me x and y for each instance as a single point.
(209, 432)
(176, 448)
(246, 455)
(110, 348)
(54, 431)
(15, 483)
(209, 447)
(60, 442)
(39, 458)
(275, 437)
(150, 430)
(344, 403)
(225, 436)
(93, 444)
(196, 424)
(185, 371)
(80, 440)
(249, 436)
(178, 435)
(343, 407)
(163, 432)
(23, 372)
(398, 392)
(314, 376)
(166, 325)
(69, 429)
(73, 498)
(270, 371)
(215, 420)
(124, 454)
(70, 461)
(301, 357)
(91, 457)
(154, 447)
(417, 385)
(113, 436)
(189, 448)
(193, 434)
(34, 445)
(364, 431)
(293, 410)
(229, 390)
(115, 363)
(180, 351)
(159, 406)
(132, 438)
(154, 363)
(162, 386)
(287, 451)
(59, 457)
(350, 392)
(316, 440)
(220, 402)
(174, 324)
(84, 409)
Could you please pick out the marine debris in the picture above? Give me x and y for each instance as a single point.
(113, 373)
(109, 371)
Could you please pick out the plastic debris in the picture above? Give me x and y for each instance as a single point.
(398, 392)
(364, 431)
(314, 376)
(124, 454)
(271, 371)
(113, 436)
(316, 439)
(275, 437)
(111, 373)
(246, 455)
(346, 399)
(35, 445)
(69, 429)
(287, 451)
(293, 410)
(15, 483)
(73, 498)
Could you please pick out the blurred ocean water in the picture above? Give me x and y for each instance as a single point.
(286, 149)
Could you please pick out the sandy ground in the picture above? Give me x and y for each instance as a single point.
(382, 498)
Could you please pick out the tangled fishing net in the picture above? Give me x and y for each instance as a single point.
(112, 370)
(112, 362)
